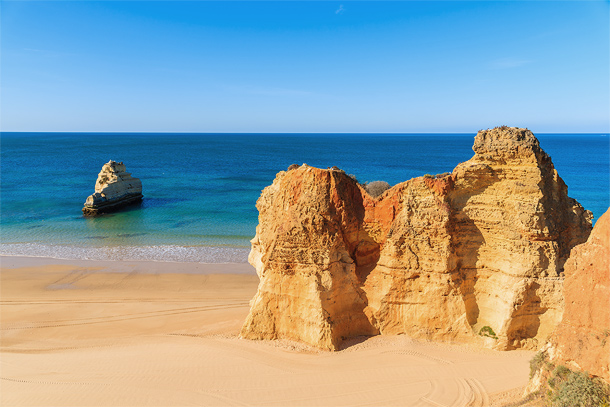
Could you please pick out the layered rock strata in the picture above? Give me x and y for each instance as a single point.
(514, 227)
(581, 341)
(114, 189)
(436, 258)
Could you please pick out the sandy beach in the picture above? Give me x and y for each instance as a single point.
(107, 333)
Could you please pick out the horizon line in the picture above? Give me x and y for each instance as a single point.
(271, 133)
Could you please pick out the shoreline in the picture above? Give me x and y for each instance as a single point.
(129, 253)
(127, 266)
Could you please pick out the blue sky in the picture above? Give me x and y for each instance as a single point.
(321, 66)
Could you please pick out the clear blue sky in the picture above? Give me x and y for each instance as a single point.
(291, 66)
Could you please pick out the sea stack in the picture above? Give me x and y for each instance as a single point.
(114, 189)
(476, 255)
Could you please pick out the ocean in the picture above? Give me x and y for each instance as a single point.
(200, 190)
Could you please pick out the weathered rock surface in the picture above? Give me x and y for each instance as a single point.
(581, 341)
(436, 258)
(514, 228)
(114, 189)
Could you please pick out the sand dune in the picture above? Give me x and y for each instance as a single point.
(146, 333)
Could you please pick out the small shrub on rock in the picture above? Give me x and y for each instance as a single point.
(538, 361)
(293, 167)
(487, 331)
(576, 389)
(429, 176)
(605, 336)
(352, 176)
(376, 188)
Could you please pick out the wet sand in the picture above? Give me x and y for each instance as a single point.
(166, 334)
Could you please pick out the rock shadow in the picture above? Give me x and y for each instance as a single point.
(354, 341)
(525, 320)
(467, 240)
(465, 276)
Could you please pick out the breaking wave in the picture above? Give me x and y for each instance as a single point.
(195, 254)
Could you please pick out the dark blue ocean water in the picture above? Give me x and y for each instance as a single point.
(200, 189)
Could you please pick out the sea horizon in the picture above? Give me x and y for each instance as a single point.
(296, 133)
(200, 189)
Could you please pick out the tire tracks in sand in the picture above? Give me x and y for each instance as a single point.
(125, 317)
(471, 393)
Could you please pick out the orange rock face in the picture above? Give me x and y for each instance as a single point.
(434, 258)
(582, 339)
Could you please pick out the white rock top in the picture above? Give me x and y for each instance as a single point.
(114, 184)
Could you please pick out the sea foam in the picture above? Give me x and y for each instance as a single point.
(195, 254)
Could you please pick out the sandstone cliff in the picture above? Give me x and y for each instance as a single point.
(514, 228)
(114, 189)
(581, 341)
(438, 258)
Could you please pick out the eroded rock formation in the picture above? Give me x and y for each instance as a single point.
(437, 258)
(114, 188)
(581, 341)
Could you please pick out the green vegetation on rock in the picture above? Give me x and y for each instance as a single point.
(376, 188)
(576, 389)
(487, 331)
(568, 388)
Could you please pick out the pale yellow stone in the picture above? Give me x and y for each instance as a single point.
(114, 186)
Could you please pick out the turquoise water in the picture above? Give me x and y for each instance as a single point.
(200, 189)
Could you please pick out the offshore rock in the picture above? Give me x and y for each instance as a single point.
(581, 341)
(114, 189)
(437, 258)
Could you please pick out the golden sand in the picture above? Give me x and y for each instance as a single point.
(166, 334)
